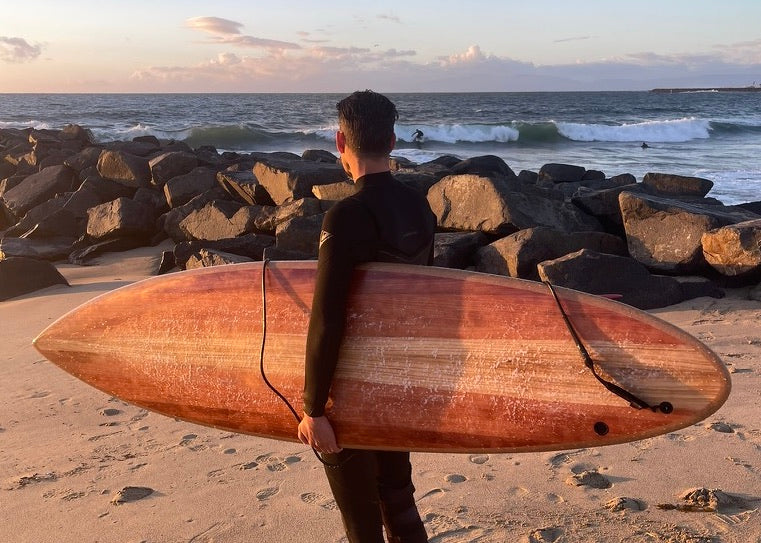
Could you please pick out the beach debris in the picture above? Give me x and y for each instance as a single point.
(623, 503)
(709, 500)
(591, 478)
(131, 494)
(721, 427)
(24, 480)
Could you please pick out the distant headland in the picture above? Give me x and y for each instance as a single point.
(749, 88)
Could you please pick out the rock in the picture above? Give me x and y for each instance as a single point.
(38, 188)
(456, 249)
(127, 169)
(20, 275)
(86, 158)
(319, 155)
(74, 132)
(754, 294)
(213, 221)
(677, 185)
(305, 207)
(44, 249)
(206, 258)
(167, 262)
(249, 245)
(244, 186)
(273, 253)
(419, 181)
(494, 206)
(598, 273)
(334, 191)
(603, 205)
(666, 234)
(286, 181)
(131, 494)
(135, 148)
(107, 190)
(734, 250)
(561, 173)
(183, 188)
(300, 234)
(170, 221)
(122, 217)
(83, 255)
(485, 166)
(169, 165)
(518, 254)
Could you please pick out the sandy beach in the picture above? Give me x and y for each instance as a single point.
(79, 466)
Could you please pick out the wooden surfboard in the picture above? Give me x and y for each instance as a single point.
(434, 359)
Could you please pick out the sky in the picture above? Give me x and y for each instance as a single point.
(391, 46)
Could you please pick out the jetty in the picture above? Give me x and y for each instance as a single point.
(750, 88)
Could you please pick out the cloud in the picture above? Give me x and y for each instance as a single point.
(214, 25)
(18, 50)
(227, 32)
(389, 17)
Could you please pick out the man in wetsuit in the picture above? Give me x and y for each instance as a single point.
(384, 221)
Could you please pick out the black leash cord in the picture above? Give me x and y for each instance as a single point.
(634, 401)
(261, 360)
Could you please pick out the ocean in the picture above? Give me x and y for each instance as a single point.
(715, 135)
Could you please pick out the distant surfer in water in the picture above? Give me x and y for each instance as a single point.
(417, 136)
(388, 222)
(645, 145)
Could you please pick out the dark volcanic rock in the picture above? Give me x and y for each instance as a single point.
(20, 275)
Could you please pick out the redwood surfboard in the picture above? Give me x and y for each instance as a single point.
(433, 359)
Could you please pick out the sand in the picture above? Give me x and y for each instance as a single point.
(79, 466)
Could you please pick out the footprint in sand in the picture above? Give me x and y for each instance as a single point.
(591, 479)
(109, 412)
(40, 394)
(267, 493)
(479, 458)
(313, 498)
(456, 478)
(545, 535)
(623, 503)
(721, 427)
(274, 463)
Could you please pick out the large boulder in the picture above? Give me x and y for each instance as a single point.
(216, 220)
(122, 217)
(248, 245)
(456, 249)
(244, 186)
(181, 189)
(598, 273)
(52, 249)
(86, 158)
(168, 165)
(206, 258)
(290, 180)
(677, 185)
(518, 254)
(334, 191)
(38, 188)
(486, 166)
(170, 221)
(300, 234)
(496, 206)
(734, 250)
(20, 275)
(666, 234)
(561, 173)
(124, 168)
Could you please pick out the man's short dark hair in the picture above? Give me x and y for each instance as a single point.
(367, 120)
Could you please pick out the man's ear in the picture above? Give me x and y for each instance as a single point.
(393, 142)
(340, 142)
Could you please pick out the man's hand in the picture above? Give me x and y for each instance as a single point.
(318, 434)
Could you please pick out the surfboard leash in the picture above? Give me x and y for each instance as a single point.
(261, 362)
(634, 401)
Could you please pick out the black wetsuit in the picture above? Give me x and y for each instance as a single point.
(387, 222)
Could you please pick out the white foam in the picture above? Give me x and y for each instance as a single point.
(678, 130)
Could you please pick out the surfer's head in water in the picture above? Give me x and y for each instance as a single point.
(365, 130)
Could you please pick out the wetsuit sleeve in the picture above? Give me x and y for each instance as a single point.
(346, 231)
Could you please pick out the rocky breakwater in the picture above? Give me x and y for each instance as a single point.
(653, 243)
